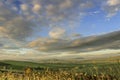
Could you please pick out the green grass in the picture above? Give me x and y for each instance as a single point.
(86, 66)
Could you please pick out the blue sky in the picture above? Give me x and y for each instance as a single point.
(43, 26)
(98, 23)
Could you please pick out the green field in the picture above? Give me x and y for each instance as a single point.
(110, 66)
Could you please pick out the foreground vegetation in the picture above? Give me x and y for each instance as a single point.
(56, 75)
(18, 70)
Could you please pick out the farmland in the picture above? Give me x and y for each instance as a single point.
(83, 70)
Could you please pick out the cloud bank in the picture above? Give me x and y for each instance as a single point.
(91, 43)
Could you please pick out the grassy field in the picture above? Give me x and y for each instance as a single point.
(100, 69)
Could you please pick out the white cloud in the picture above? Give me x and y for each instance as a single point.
(112, 7)
(36, 8)
(66, 4)
(24, 7)
(35, 55)
(57, 33)
(113, 2)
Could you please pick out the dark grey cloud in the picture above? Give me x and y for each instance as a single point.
(8, 43)
(47, 44)
(18, 28)
(1, 45)
(91, 43)
(13, 25)
(18, 22)
(106, 41)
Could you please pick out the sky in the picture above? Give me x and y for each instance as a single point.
(47, 28)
